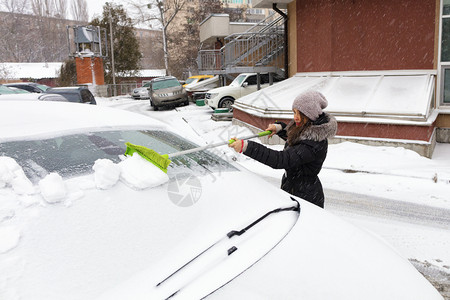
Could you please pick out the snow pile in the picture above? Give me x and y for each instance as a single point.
(53, 188)
(9, 238)
(384, 160)
(11, 174)
(106, 175)
(139, 173)
(134, 171)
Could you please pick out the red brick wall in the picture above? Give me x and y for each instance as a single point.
(386, 131)
(84, 70)
(350, 35)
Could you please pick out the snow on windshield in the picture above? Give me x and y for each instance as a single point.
(46, 162)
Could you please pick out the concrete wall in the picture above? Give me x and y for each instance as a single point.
(443, 131)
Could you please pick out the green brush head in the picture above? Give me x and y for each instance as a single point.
(161, 161)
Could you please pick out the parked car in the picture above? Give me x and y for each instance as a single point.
(167, 91)
(187, 238)
(30, 86)
(72, 94)
(142, 92)
(196, 78)
(200, 88)
(5, 90)
(242, 85)
(11, 93)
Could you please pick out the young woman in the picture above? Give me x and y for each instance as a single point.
(305, 149)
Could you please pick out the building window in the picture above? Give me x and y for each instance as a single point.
(445, 54)
(446, 92)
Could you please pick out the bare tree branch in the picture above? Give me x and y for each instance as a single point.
(79, 10)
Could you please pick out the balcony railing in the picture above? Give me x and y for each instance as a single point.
(257, 47)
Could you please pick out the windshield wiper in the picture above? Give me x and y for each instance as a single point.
(229, 235)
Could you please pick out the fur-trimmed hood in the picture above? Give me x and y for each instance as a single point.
(317, 131)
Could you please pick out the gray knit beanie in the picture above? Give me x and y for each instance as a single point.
(310, 103)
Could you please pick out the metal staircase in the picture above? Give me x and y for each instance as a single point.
(260, 49)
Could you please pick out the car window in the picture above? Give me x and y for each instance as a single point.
(85, 96)
(43, 87)
(190, 80)
(72, 97)
(251, 80)
(146, 85)
(264, 78)
(164, 84)
(238, 80)
(75, 154)
(6, 90)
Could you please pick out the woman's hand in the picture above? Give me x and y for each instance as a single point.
(236, 145)
(272, 128)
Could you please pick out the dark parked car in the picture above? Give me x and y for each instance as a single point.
(72, 94)
(29, 86)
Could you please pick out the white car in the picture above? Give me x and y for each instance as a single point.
(242, 85)
(78, 220)
(142, 92)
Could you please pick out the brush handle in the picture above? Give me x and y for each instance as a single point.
(260, 134)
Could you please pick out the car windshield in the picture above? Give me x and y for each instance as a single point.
(191, 80)
(74, 155)
(18, 90)
(42, 87)
(6, 90)
(146, 85)
(238, 80)
(164, 84)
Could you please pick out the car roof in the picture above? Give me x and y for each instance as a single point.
(163, 78)
(21, 83)
(68, 88)
(200, 76)
(39, 118)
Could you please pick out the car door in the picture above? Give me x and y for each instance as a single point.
(249, 85)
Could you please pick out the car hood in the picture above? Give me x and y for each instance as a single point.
(222, 89)
(19, 97)
(140, 89)
(75, 248)
(168, 90)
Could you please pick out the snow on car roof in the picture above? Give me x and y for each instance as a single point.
(21, 119)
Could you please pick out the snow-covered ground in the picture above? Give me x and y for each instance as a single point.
(383, 172)
(375, 177)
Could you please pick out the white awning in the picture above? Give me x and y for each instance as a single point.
(366, 96)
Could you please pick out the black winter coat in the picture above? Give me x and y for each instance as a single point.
(302, 157)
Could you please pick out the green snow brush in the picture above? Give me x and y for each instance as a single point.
(162, 161)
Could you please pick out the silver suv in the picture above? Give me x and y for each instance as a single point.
(167, 91)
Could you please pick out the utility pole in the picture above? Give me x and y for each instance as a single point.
(161, 11)
(112, 51)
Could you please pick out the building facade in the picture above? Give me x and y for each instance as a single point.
(383, 65)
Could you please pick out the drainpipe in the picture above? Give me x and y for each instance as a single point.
(286, 53)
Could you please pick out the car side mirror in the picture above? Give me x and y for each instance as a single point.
(245, 84)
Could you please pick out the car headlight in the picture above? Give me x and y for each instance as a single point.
(211, 95)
